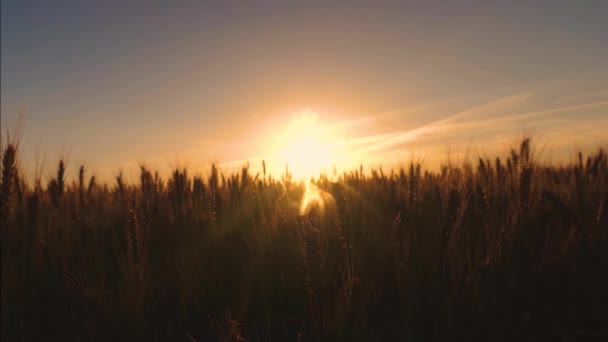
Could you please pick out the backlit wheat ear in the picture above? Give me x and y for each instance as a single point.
(57, 186)
(61, 177)
(120, 184)
(9, 158)
(524, 152)
(81, 184)
(91, 185)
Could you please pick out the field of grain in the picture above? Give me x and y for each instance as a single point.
(491, 250)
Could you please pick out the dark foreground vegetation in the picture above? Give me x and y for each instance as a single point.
(498, 250)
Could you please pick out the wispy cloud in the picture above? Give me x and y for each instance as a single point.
(398, 138)
(514, 118)
(488, 108)
(479, 120)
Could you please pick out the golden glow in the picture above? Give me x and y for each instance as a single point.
(306, 147)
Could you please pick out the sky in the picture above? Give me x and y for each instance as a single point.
(114, 84)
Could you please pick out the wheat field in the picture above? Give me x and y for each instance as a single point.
(496, 249)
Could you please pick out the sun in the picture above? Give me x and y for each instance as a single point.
(306, 147)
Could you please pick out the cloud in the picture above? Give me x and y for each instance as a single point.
(488, 108)
(442, 125)
(489, 125)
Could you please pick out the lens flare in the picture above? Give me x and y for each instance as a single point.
(315, 199)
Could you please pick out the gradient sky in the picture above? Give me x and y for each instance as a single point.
(112, 84)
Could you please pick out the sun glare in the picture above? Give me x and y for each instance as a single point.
(305, 146)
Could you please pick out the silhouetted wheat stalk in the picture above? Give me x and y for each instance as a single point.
(9, 170)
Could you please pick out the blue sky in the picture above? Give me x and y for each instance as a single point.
(112, 85)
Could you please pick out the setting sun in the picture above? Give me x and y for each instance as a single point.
(305, 146)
